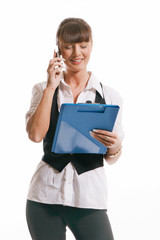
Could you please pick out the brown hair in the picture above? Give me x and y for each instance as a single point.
(73, 30)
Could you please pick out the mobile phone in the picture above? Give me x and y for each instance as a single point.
(57, 52)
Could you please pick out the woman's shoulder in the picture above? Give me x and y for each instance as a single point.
(112, 95)
(39, 87)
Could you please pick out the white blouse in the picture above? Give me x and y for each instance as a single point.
(89, 189)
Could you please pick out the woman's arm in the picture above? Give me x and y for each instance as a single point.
(38, 123)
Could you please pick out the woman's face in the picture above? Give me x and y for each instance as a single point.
(76, 55)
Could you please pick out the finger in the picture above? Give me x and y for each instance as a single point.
(59, 64)
(54, 65)
(54, 72)
(58, 59)
(55, 60)
(100, 139)
(57, 71)
(105, 143)
(105, 138)
(51, 69)
(105, 132)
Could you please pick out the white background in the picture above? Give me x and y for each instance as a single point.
(126, 56)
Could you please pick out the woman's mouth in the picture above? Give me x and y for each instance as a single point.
(77, 61)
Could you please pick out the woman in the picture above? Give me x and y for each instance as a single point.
(69, 190)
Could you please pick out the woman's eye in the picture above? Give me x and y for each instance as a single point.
(83, 46)
(68, 47)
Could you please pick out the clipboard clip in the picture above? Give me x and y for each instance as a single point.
(96, 108)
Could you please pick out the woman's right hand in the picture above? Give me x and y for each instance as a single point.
(54, 72)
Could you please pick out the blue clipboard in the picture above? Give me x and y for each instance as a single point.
(76, 121)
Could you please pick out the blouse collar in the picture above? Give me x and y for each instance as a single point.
(93, 83)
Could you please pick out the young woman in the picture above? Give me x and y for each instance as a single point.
(69, 190)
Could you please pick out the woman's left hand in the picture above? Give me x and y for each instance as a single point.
(108, 139)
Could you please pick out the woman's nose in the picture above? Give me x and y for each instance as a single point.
(76, 51)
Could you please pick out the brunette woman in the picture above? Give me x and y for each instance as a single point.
(69, 190)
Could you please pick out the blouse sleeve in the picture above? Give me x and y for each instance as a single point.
(37, 93)
(118, 128)
(113, 97)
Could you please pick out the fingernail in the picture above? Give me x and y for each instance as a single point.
(95, 130)
(91, 133)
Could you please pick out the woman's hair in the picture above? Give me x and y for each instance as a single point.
(73, 30)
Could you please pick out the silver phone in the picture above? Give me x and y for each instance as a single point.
(57, 52)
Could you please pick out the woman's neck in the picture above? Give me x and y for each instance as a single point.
(76, 79)
(77, 82)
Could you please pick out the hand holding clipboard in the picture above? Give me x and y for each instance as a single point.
(108, 139)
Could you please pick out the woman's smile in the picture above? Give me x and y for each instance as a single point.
(76, 61)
